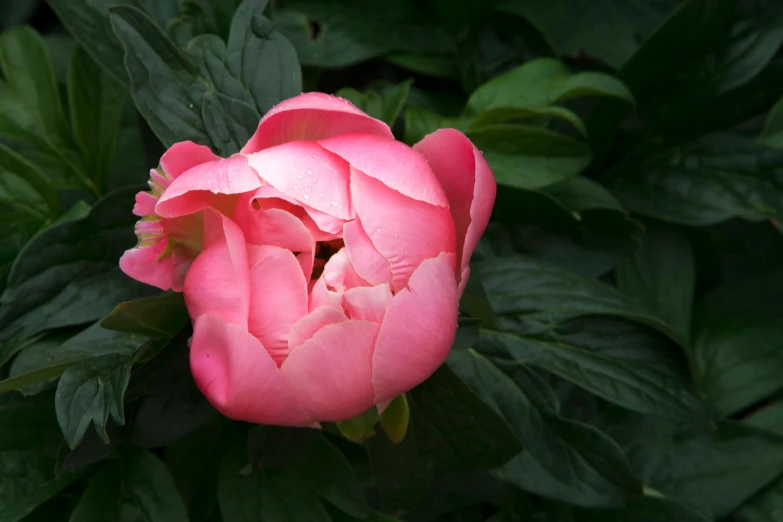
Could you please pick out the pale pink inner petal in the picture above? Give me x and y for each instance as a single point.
(418, 329)
(366, 260)
(218, 281)
(404, 230)
(237, 375)
(331, 372)
(306, 327)
(278, 297)
(311, 116)
(367, 302)
(339, 275)
(393, 163)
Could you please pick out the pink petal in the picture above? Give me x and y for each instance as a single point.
(469, 185)
(306, 327)
(268, 197)
(331, 372)
(368, 303)
(405, 231)
(322, 297)
(311, 116)
(307, 173)
(393, 163)
(197, 188)
(145, 204)
(145, 264)
(237, 375)
(184, 156)
(418, 329)
(218, 281)
(276, 227)
(278, 297)
(339, 274)
(366, 260)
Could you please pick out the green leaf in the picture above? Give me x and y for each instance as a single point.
(661, 275)
(29, 423)
(451, 429)
(158, 316)
(718, 178)
(87, 21)
(68, 275)
(385, 104)
(563, 459)
(588, 333)
(164, 84)
(139, 487)
(542, 82)
(605, 29)
(169, 404)
(27, 203)
(712, 470)
(529, 157)
(95, 101)
(772, 135)
(194, 462)
(643, 509)
(212, 92)
(767, 506)
(323, 470)
(736, 342)
(43, 361)
(502, 114)
(90, 391)
(263, 494)
(575, 224)
(274, 446)
(457, 429)
(229, 122)
(684, 97)
(27, 481)
(349, 32)
(261, 58)
(402, 472)
(32, 118)
(768, 418)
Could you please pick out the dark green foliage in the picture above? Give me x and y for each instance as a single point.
(620, 350)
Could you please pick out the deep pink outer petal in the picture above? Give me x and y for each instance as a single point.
(278, 297)
(311, 116)
(418, 329)
(393, 163)
(469, 185)
(218, 281)
(201, 186)
(331, 371)
(184, 156)
(304, 171)
(405, 231)
(145, 264)
(237, 375)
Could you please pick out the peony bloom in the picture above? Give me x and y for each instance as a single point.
(322, 265)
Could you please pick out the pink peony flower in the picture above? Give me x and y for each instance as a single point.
(322, 265)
